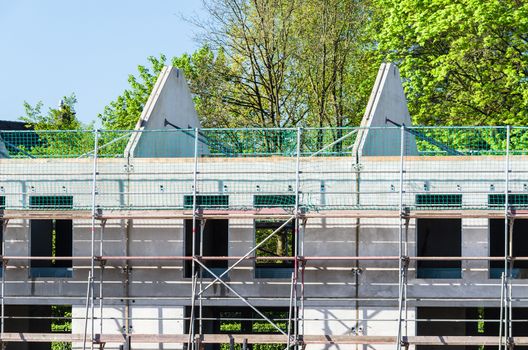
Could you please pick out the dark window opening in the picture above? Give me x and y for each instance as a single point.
(51, 238)
(240, 320)
(439, 238)
(483, 321)
(281, 244)
(273, 201)
(215, 243)
(515, 200)
(207, 201)
(1, 244)
(519, 269)
(2, 202)
(439, 200)
(38, 319)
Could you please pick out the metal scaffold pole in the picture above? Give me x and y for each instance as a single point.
(507, 241)
(401, 263)
(192, 330)
(92, 238)
(297, 236)
(200, 297)
(4, 262)
(303, 266)
(101, 276)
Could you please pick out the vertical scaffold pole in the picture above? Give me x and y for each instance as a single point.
(193, 263)
(400, 242)
(501, 315)
(101, 277)
(507, 252)
(92, 238)
(200, 297)
(303, 268)
(297, 235)
(4, 262)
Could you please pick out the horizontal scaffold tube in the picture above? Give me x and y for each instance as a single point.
(259, 339)
(288, 258)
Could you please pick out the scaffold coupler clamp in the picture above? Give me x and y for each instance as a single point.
(404, 342)
(198, 340)
(406, 211)
(300, 341)
(102, 261)
(405, 261)
(510, 343)
(294, 340)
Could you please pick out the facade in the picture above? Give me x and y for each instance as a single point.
(171, 236)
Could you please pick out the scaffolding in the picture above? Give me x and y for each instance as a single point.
(87, 166)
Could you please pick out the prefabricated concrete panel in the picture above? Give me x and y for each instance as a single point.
(170, 106)
(378, 136)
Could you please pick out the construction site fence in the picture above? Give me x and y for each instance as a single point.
(312, 169)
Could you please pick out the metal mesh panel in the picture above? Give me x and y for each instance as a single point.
(340, 168)
(448, 167)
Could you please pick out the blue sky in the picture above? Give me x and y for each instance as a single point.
(52, 48)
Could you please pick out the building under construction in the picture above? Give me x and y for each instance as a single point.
(172, 236)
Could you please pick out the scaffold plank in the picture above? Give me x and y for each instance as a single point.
(168, 214)
(260, 339)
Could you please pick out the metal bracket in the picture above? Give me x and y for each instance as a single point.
(357, 271)
(358, 166)
(405, 262)
(102, 262)
(128, 168)
(404, 342)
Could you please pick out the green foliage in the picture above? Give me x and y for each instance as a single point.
(464, 62)
(47, 141)
(61, 324)
(61, 118)
(270, 63)
(124, 112)
(280, 244)
(232, 323)
(203, 70)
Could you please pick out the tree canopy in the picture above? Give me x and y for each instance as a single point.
(464, 62)
(283, 63)
(61, 118)
(270, 63)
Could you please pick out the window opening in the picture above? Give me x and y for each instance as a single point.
(52, 238)
(519, 269)
(282, 244)
(215, 243)
(439, 237)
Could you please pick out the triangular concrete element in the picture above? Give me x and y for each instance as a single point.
(169, 113)
(387, 107)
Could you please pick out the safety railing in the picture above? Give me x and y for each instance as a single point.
(338, 168)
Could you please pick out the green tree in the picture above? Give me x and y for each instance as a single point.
(205, 74)
(463, 62)
(270, 63)
(48, 140)
(124, 112)
(335, 59)
(258, 38)
(61, 118)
